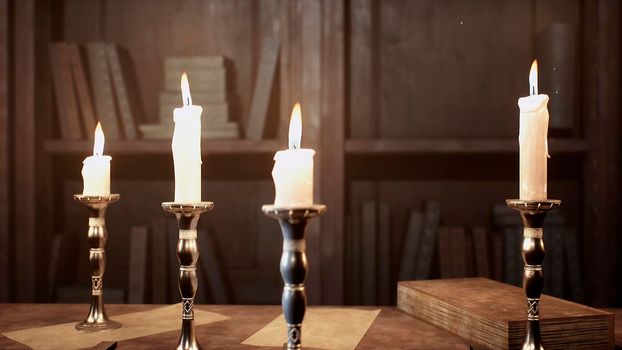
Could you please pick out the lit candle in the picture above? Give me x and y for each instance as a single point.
(187, 148)
(532, 138)
(96, 168)
(293, 168)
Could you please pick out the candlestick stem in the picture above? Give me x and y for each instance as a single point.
(294, 266)
(187, 253)
(533, 214)
(97, 320)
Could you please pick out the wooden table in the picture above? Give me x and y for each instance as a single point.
(392, 328)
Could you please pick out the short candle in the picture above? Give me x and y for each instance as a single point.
(532, 138)
(186, 147)
(96, 168)
(293, 168)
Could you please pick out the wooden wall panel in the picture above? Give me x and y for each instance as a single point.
(332, 149)
(25, 153)
(602, 90)
(445, 65)
(5, 154)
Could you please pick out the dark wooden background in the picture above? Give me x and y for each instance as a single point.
(404, 100)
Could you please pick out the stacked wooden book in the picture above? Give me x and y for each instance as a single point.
(491, 314)
(106, 92)
(208, 86)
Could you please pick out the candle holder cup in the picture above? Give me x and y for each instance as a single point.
(187, 253)
(97, 320)
(533, 214)
(293, 266)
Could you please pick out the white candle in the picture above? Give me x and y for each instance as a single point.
(532, 138)
(187, 148)
(96, 168)
(293, 168)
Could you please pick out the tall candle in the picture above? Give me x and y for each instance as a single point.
(293, 168)
(187, 148)
(532, 138)
(96, 168)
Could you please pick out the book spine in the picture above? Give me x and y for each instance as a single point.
(411, 246)
(428, 240)
(263, 90)
(138, 265)
(369, 245)
(573, 265)
(120, 89)
(444, 252)
(211, 262)
(66, 102)
(384, 254)
(87, 111)
(513, 262)
(458, 252)
(480, 248)
(158, 258)
(102, 90)
(194, 62)
(557, 261)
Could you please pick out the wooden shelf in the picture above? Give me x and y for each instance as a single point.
(138, 147)
(456, 146)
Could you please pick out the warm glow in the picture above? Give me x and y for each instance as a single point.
(533, 78)
(185, 90)
(295, 127)
(98, 145)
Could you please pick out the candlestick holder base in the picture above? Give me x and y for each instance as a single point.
(293, 222)
(533, 214)
(97, 320)
(187, 215)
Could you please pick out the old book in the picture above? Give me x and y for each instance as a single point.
(432, 214)
(573, 265)
(138, 265)
(384, 254)
(102, 90)
(212, 264)
(458, 252)
(83, 90)
(369, 252)
(193, 62)
(173, 98)
(469, 253)
(357, 256)
(411, 245)
(200, 85)
(66, 99)
(54, 263)
(196, 76)
(263, 90)
(445, 262)
(172, 236)
(491, 314)
(513, 261)
(497, 256)
(556, 270)
(125, 98)
(480, 252)
(159, 263)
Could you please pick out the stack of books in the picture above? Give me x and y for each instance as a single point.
(208, 86)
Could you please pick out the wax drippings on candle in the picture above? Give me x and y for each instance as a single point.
(185, 90)
(295, 127)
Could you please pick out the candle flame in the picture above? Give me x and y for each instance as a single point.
(185, 90)
(533, 78)
(295, 127)
(100, 139)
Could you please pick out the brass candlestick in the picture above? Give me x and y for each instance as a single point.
(187, 253)
(533, 213)
(293, 222)
(97, 320)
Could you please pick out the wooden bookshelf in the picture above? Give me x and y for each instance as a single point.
(164, 147)
(456, 146)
